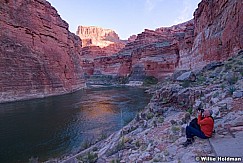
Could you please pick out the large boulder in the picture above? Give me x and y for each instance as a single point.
(187, 76)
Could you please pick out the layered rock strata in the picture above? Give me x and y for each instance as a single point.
(38, 55)
(215, 34)
(156, 53)
(218, 31)
(96, 36)
(98, 41)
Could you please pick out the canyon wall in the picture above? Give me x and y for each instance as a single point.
(97, 36)
(151, 53)
(157, 52)
(215, 34)
(97, 42)
(38, 55)
(218, 31)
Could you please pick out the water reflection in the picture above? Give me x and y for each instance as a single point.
(55, 126)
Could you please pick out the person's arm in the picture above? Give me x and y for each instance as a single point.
(199, 117)
(203, 121)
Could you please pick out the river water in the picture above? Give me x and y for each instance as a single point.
(55, 126)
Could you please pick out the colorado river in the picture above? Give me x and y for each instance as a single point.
(54, 126)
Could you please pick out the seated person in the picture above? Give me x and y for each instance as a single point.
(201, 127)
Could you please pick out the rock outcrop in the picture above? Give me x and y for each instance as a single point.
(96, 36)
(100, 41)
(218, 31)
(159, 51)
(38, 55)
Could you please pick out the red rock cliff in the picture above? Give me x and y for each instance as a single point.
(215, 34)
(155, 52)
(38, 55)
(98, 42)
(96, 36)
(218, 31)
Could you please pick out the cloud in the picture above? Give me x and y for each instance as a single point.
(186, 12)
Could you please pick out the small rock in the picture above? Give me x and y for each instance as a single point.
(157, 150)
(173, 122)
(215, 111)
(197, 104)
(237, 128)
(222, 106)
(225, 133)
(149, 148)
(214, 100)
(238, 121)
(237, 94)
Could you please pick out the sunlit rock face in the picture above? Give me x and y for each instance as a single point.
(97, 36)
(106, 40)
(215, 34)
(218, 31)
(154, 52)
(98, 42)
(38, 55)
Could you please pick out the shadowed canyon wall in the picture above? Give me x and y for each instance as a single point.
(38, 55)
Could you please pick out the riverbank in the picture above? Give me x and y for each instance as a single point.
(156, 134)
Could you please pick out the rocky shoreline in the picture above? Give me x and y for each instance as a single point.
(156, 134)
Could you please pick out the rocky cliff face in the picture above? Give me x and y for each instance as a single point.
(158, 52)
(215, 34)
(153, 52)
(218, 31)
(106, 39)
(38, 55)
(98, 42)
(97, 36)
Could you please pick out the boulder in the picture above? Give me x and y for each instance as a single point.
(187, 76)
(212, 65)
(177, 73)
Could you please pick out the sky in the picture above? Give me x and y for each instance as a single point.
(125, 17)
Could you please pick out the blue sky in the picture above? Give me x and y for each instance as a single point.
(125, 17)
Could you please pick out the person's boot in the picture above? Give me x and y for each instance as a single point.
(187, 142)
